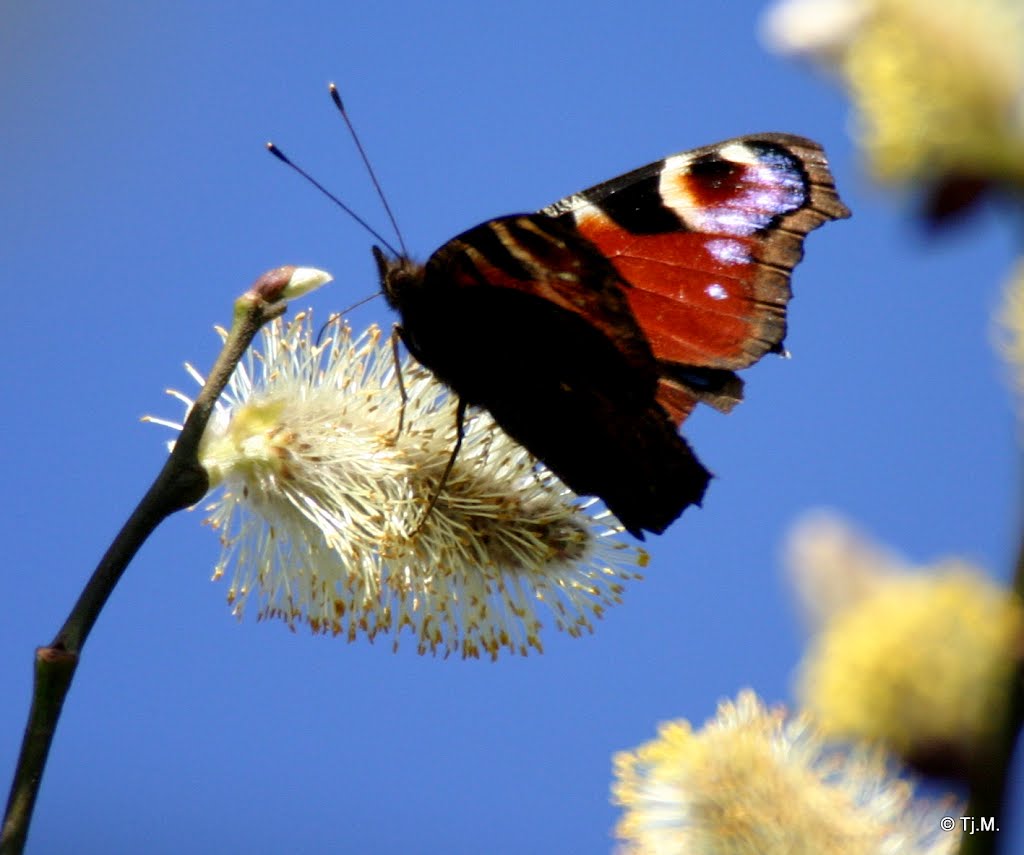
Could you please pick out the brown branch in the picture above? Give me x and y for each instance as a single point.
(182, 482)
(988, 793)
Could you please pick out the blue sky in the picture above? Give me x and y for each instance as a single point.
(138, 202)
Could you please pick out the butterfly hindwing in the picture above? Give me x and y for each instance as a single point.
(525, 318)
(591, 329)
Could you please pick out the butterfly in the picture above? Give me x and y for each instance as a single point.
(591, 329)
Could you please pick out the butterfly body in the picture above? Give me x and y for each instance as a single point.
(591, 329)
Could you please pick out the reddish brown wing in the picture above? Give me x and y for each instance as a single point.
(548, 261)
(590, 330)
(707, 240)
(526, 318)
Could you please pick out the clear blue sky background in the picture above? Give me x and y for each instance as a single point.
(138, 202)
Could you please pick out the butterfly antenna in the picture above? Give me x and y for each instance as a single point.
(280, 155)
(336, 98)
(359, 303)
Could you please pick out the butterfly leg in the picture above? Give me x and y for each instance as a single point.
(460, 429)
(395, 337)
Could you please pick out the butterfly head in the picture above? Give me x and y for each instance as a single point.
(401, 278)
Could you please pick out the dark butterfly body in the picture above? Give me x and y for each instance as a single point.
(591, 329)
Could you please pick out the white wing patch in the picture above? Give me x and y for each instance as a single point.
(767, 186)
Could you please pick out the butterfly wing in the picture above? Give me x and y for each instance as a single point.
(707, 240)
(524, 317)
(591, 329)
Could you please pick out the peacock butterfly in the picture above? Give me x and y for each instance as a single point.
(591, 329)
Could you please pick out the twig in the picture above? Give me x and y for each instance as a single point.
(988, 794)
(182, 482)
